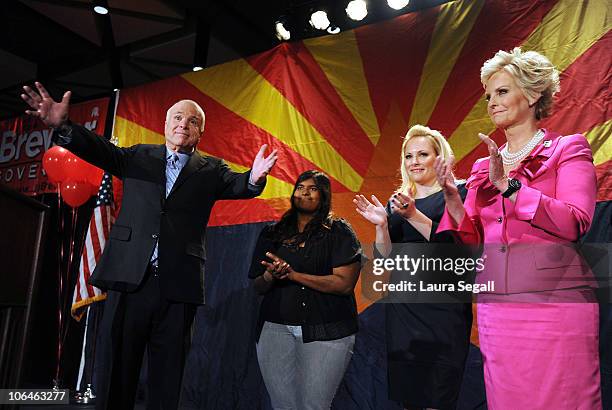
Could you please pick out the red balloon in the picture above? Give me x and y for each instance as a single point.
(75, 193)
(94, 176)
(53, 163)
(94, 189)
(78, 169)
(75, 168)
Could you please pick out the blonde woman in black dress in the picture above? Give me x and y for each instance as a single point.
(427, 344)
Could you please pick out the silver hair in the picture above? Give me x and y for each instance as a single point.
(198, 108)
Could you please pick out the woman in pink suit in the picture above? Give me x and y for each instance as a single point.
(528, 202)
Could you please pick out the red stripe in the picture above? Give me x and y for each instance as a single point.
(393, 53)
(584, 99)
(292, 70)
(105, 222)
(243, 211)
(227, 135)
(93, 228)
(501, 25)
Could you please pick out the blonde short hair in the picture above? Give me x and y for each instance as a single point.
(439, 143)
(533, 73)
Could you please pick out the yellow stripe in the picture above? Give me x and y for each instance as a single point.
(569, 29)
(340, 59)
(130, 133)
(601, 143)
(566, 32)
(453, 26)
(238, 87)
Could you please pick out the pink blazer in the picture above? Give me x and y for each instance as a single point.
(528, 243)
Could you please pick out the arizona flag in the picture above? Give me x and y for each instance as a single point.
(97, 234)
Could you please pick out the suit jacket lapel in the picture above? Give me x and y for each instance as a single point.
(159, 154)
(195, 163)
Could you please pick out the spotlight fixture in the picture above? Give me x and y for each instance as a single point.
(281, 31)
(333, 29)
(357, 10)
(397, 4)
(319, 20)
(100, 7)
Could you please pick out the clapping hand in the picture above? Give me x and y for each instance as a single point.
(43, 107)
(262, 165)
(497, 176)
(278, 268)
(373, 212)
(403, 205)
(445, 176)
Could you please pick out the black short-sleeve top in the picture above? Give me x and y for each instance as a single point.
(322, 316)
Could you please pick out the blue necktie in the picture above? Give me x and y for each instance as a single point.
(173, 169)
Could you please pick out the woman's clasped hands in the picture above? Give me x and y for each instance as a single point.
(277, 268)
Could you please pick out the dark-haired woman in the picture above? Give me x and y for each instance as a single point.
(306, 265)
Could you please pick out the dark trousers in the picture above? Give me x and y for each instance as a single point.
(133, 322)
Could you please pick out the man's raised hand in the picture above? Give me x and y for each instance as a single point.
(50, 112)
(262, 165)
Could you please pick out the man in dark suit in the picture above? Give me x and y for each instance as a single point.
(153, 263)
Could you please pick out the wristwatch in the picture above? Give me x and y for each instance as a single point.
(513, 186)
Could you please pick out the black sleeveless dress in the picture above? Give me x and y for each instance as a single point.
(427, 343)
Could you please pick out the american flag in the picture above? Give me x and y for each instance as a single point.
(97, 234)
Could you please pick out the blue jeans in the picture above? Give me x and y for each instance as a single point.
(298, 375)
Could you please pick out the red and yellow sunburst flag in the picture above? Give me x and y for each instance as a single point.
(343, 103)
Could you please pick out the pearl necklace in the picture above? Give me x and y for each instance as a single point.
(511, 159)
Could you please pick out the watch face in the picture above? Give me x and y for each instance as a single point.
(513, 186)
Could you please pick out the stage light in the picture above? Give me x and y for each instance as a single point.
(197, 68)
(333, 29)
(357, 10)
(319, 20)
(100, 7)
(281, 31)
(397, 4)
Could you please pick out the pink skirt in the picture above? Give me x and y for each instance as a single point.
(540, 355)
